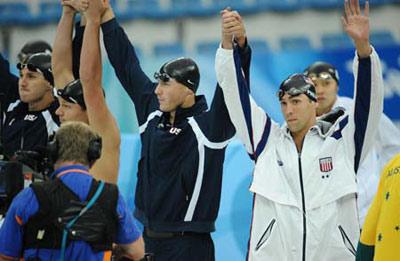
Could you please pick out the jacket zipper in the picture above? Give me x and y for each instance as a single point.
(304, 209)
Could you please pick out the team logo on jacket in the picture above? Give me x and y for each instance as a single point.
(175, 131)
(325, 164)
(30, 117)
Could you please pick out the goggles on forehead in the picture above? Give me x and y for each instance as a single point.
(22, 57)
(29, 66)
(295, 91)
(322, 75)
(164, 77)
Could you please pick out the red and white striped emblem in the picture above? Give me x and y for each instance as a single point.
(325, 164)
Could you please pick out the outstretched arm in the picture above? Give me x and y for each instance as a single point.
(368, 91)
(356, 25)
(62, 47)
(218, 117)
(100, 117)
(123, 58)
(253, 125)
(233, 25)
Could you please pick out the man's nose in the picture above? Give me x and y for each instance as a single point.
(157, 91)
(58, 111)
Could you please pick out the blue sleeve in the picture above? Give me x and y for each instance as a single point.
(8, 83)
(216, 123)
(127, 230)
(123, 58)
(22, 208)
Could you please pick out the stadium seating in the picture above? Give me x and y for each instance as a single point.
(207, 48)
(11, 12)
(50, 11)
(26, 11)
(170, 49)
(318, 4)
(281, 5)
(336, 41)
(294, 43)
(259, 45)
(382, 38)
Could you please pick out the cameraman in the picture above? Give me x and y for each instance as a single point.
(72, 216)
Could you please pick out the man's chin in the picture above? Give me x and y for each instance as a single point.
(293, 128)
(163, 109)
(24, 98)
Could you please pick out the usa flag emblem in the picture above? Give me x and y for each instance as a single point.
(325, 164)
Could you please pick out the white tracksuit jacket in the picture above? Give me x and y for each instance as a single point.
(305, 204)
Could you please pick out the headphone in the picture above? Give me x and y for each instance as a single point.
(93, 152)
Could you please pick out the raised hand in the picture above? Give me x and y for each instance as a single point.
(356, 25)
(77, 5)
(96, 9)
(232, 27)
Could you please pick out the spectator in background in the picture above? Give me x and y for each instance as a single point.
(380, 238)
(27, 133)
(42, 222)
(305, 171)
(183, 146)
(83, 100)
(386, 142)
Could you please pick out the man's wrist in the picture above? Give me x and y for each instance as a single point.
(363, 49)
(93, 21)
(68, 11)
(241, 41)
(107, 15)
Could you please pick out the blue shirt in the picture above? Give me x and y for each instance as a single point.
(25, 205)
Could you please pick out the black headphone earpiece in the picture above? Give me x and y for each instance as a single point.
(94, 150)
(93, 153)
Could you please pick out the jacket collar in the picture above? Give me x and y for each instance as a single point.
(77, 167)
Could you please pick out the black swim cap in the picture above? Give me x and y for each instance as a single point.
(39, 62)
(297, 84)
(33, 47)
(322, 70)
(183, 70)
(73, 92)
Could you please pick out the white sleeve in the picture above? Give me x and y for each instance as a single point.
(252, 124)
(361, 131)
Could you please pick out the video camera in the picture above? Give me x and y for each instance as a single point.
(11, 182)
(16, 174)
